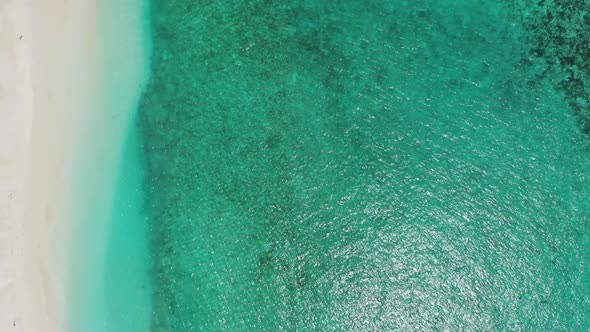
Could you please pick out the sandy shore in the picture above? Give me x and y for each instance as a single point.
(47, 84)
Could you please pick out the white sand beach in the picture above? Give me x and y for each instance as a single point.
(47, 85)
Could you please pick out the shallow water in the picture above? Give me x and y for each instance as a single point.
(127, 281)
(110, 288)
(364, 166)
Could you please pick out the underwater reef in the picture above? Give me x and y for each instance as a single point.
(560, 34)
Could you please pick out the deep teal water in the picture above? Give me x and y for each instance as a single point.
(368, 165)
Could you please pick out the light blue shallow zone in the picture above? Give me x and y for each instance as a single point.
(109, 287)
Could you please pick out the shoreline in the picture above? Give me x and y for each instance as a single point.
(56, 167)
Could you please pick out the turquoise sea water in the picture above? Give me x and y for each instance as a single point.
(368, 165)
